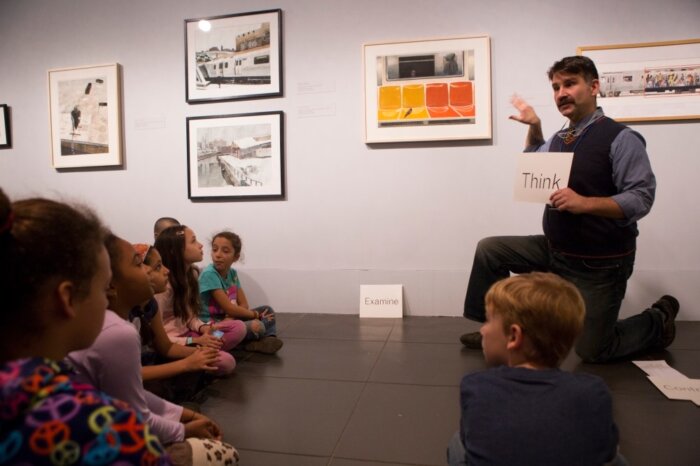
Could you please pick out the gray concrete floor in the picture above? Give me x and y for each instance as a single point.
(380, 392)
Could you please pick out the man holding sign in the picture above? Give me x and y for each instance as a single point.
(590, 225)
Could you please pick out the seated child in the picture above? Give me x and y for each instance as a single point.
(525, 410)
(170, 370)
(54, 275)
(179, 304)
(163, 223)
(113, 363)
(222, 297)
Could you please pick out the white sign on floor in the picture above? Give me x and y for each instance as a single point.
(677, 388)
(381, 300)
(675, 385)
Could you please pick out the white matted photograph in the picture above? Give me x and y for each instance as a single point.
(428, 90)
(236, 157)
(234, 57)
(5, 132)
(85, 116)
(649, 81)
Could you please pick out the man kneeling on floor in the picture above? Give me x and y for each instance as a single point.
(590, 226)
(525, 410)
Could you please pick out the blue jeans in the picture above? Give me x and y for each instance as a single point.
(602, 283)
(265, 328)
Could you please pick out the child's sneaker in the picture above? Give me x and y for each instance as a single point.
(266, 345)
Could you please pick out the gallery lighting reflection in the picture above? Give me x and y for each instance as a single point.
(204, 25)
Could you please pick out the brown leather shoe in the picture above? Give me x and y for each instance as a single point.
(471, 340)
(265, 345)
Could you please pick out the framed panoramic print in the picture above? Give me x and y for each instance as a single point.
(428, 90)
(85, 116)
(649, 81)
(236, 157)
(234, 56)
(5, 133)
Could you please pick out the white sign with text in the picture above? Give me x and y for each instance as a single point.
(677, 388)
(539, 174)
(675, 385)
(381, 300)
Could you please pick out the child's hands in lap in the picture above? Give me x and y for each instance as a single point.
(203, 359)
(209, 341)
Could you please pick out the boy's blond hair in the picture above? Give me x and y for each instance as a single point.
(549, 309)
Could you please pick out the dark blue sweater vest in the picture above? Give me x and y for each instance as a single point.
(591, 175)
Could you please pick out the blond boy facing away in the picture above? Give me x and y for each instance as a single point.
(524, 410)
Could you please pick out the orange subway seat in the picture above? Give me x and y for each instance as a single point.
(389, 103)
(462, 97)
(436, 96)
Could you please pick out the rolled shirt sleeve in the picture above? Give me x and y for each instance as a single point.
(632, 175)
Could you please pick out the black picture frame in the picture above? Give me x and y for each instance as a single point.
(234, 57)
(5, 129)
(237, 157)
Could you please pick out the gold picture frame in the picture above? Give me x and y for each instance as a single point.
(648, 81)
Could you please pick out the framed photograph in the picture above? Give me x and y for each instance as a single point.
(5, 134)
(236, 157)
(428, 90)
(85, 116)
(650, 81)
(234, 56)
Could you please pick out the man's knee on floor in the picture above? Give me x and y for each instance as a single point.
(592, 353)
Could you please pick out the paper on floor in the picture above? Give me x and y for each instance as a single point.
(673, 384)
(658, 369)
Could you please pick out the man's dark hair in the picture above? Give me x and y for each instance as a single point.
(576, 64)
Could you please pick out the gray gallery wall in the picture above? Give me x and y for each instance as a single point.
(409, 213)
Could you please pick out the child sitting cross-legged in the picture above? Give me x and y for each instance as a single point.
(171, 370)
(222, 297)
(525, 410)
(179, 304)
